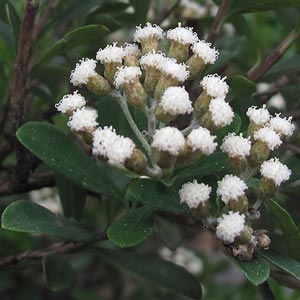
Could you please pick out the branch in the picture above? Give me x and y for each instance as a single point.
(218, 21)
(275, 56)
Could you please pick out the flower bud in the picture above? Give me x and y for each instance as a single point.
(203, 55)
(245, 236)
(182, 38)
(148, 36)
(136, 162)
(128, 78)
(258, 118)
(201, 104)
(243, 252)
(262, 239)
(131, 55)
(98, 85)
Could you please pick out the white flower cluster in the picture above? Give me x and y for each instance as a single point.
(84, 70)
(171, 68)
(182, 35)
(126, 75)
(70, 102)
(236, 146)
(221, 112)
(112, 54)
(201, 139)
(215, 86)
(205, 51)
(147, 32)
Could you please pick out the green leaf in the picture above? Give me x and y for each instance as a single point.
(72, 197)
(155, 195)
(234, 126)
(24, 216)
(14, 24)
(58, 274)
(140, 10)
(282, 262)
(157, 271)
(257, 271)
(241, 87)
(131, 229)
(207, 165)
(289, 229)
(224, 57)
(62, 154)
(73, 39)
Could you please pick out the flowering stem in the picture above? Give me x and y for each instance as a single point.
(150, 114)
(257, 204)
(194, 124)
(123, 104)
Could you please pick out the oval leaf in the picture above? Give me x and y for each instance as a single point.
(132, 228)
(257, 271)
(24, 216)
(61, 153)
(58, 274)
(282, 262)
(159, 272)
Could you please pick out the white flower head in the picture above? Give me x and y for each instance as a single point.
(215, 86)
(275, 170)
(194, 193)
(83, 71)
(170, 67)
(83, 119)
(192, 10)
(268, 136)
(259, 116)
(176, 101)
(168, 139)
(221, 112)
(131, 49)
(201, 139)
(70, 102)
(277, 101)
(103, 140)
(110, 54)
(148, 31)
(235, 145)
(282, 126)
(230, 226)
(231, 188)
(205, 51)
(126, 75)
(152, 59)
(182, 35)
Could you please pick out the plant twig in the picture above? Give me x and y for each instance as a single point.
(270, 60)
(218, 21)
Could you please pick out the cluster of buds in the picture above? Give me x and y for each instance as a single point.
(144, 77)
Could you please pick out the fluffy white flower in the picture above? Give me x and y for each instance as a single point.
(205, 51)
(126, 75)
(152, 59)
(103, 140)
(83, 71)
(182, 35)
(221, 112)
(131, 49)
(277, 101)
(215, 86)
(275, 170)
(230, 226)
(192, 10)
(111, 54)
(168, 139)
(70, 102)
(83, 119)
(147, 31)
(268, 136)
(231, 188)
(170, 67)
(235, 145)
(121, 150)
(194, 193)
(201, 139)
(259, 116)
(176, 101)
(282, 126)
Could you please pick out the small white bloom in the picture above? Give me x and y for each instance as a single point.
(110, 54)
(201, 139)
(231, 188)
(170, 67)
(215, 86)
(235, 145)
(83, 71)
(282, 126)
(268, 136)
(152, 59)
(70, 102)
(192, 10)
(275, 170)
(221, 112)
(176, 101)
(131, 49)
(103, 140)
(168, 139)
(205, 51)
(230, 226)
(277, 101)
(83, 119)
(194, 193)
(182, 35)
(126, 75)
(146, 32)
(259, 116)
